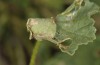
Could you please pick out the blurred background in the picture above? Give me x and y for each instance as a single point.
(15, 46)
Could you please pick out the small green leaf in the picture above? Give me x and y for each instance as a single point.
(74, 24)
(41, 28)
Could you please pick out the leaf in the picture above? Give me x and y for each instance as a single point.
(41, 28)
(74, 24)
(78, 27)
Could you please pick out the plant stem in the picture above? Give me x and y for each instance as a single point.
(79, 2)
(34, 53)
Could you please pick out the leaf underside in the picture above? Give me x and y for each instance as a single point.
(74, 24)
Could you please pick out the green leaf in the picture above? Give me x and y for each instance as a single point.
(74, 24)
(41, 28)
(77, 25)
